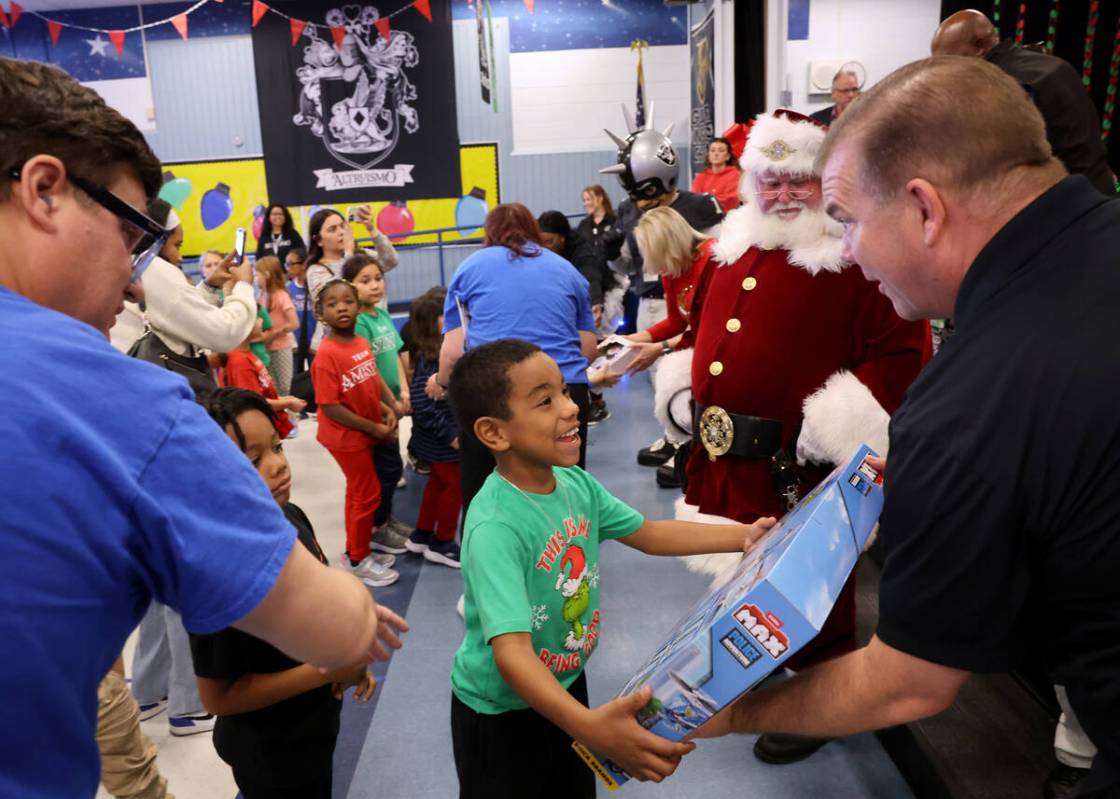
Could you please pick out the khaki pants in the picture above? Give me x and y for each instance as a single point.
(128, 757)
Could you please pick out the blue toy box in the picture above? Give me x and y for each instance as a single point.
(773, 605)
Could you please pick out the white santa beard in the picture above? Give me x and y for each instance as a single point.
(814, 239)
(770, 232)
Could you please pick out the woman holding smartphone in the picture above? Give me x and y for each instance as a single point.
(332, 242)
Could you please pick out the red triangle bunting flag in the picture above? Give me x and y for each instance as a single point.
(339, 33)
(117, 38)
(180, 23)
(14, 12)
(382, 25)
(425, 8)
(297, 29)
(259, 9)
(55, 29)
(529, 5)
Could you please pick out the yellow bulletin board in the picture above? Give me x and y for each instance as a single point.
(214, 198)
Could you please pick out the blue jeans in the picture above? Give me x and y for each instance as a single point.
(162, 665)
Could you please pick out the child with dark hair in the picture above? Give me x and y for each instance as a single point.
(277, 718)
(375, 325)
(354, 420)
(435, 437)
(531, 573)
(241, 368)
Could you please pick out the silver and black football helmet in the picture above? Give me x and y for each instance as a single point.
(647, 161)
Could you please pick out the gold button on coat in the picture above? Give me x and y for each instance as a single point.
(749, 284)
(733, 325)
(715, 369)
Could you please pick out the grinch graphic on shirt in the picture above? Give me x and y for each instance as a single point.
(565, 553)
(573, 586)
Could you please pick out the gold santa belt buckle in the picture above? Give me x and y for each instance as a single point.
(723, 433)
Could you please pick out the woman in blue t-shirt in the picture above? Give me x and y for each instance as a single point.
(515, 288)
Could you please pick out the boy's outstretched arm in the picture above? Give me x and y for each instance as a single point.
(672, 537)
(609, 730)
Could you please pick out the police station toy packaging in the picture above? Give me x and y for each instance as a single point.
(776, 601)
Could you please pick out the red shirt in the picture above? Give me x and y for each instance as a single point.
(725, 186)
(245, 370)
(684, 294)
(346, 375)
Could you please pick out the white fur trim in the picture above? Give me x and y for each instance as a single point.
(839, 417)
(813, 240)
(780, 144)
(734, 237)
(674, 373)
(719, 566)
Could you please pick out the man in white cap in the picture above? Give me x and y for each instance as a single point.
(798, 360)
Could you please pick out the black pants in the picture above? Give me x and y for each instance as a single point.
(517, 754)
(387, 463)
(477, 461)
(301, 359)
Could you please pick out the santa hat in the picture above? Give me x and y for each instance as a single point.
(575, 556)
(784, 141)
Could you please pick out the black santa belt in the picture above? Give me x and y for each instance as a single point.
(722, 433)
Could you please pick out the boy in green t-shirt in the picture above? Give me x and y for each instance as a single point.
(530, 562)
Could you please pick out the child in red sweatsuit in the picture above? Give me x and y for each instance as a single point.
(352, 420)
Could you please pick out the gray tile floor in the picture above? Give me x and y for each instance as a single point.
(401, 747)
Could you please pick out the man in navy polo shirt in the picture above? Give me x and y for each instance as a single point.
(115, 486)
(1000, 529)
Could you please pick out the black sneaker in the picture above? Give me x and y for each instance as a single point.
(656, 453)
(598, 413)
(667, 475)
(1063, 781)
(419, 466)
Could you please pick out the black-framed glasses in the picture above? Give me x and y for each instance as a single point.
(143, 235)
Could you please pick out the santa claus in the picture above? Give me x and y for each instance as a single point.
(797, 361)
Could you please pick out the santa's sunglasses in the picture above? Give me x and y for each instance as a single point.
(143, 235)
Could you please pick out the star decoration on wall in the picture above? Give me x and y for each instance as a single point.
(97, 46)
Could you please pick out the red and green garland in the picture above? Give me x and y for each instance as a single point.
(1090, 40)
(1052, 27)
(1110, 92)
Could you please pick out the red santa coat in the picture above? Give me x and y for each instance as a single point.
(770, 335)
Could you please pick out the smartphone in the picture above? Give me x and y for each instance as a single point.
(239, 246)
(352, 213)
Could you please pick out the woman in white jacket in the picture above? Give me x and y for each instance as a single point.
(188, 317)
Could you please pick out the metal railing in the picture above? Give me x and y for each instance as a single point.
(427, 258)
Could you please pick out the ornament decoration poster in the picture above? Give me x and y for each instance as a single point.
(367, 119)
(214, 198)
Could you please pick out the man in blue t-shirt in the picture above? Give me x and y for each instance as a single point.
(105, 506)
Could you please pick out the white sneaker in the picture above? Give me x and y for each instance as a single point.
(370, 572)
(181, 726)
(385, 560)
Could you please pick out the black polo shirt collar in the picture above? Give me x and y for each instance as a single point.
(1013, 247)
